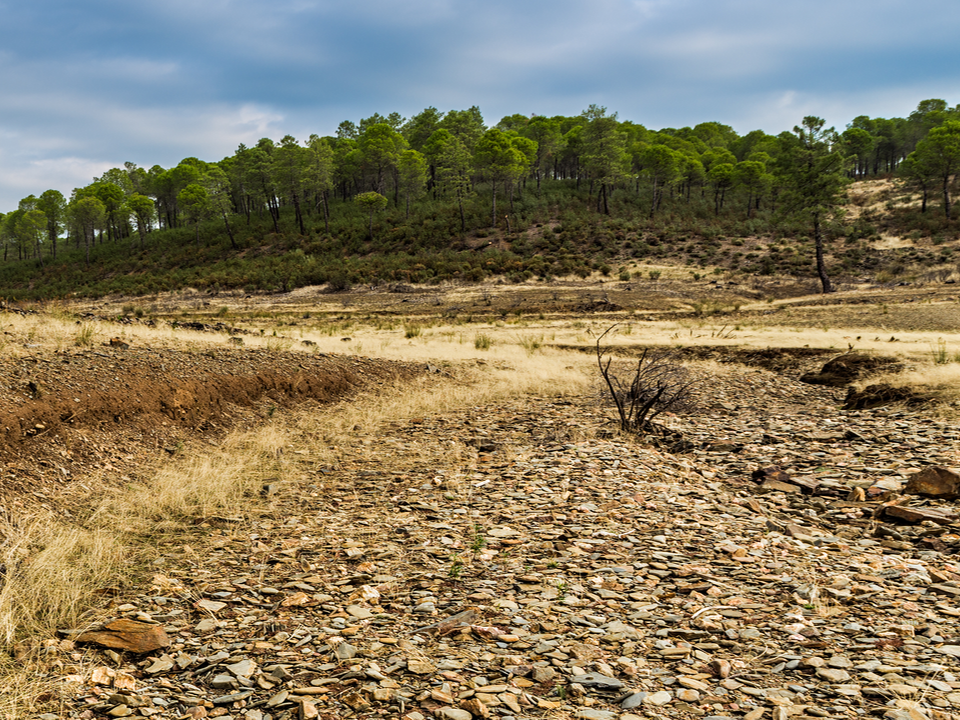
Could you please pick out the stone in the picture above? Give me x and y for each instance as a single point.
(345, 651)
(244, 668)
(543, 674)
(308, 710)
(206, 626)
(658, 698)
(595, 714)
(164, 663)
(920, 514)
(128, 635)
(475, 708)
(420, 667)
(212, 606)
(223, 682)
(451, 713)
(596, 680)
(935, 481)
(833, 675)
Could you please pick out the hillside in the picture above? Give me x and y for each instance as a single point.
(883, 239)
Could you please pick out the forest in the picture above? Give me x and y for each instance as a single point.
(441, 196)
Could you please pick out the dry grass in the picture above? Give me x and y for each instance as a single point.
(200, 483)
(940, 381)
(49, 572)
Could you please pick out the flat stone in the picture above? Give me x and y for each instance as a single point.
(658, 698)
(420, 667)
(596, 680)
(244, 668)
(129, 636)
(223, 681)
(210, 605)
(164, 663)
(595, 714)
(833, 675)
(454, 714)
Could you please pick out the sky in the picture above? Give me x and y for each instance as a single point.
(88, 85)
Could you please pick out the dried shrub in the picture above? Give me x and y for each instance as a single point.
(657, 383)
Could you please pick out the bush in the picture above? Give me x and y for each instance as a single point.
(656, 384)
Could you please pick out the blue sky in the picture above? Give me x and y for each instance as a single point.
(85, 86)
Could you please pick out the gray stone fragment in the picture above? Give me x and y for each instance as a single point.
(345, 651)
(455, 714)
(235, 697)
(221, 682)
(633, 701)
(596, 680)
(244, 668)
(594, 714)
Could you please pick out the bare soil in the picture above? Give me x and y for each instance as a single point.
(71, 413)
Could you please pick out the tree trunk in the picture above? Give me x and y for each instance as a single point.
(946, 195)
(821, 265)
(233, 242)
(463, 218)
(494, 213)
(299, 215)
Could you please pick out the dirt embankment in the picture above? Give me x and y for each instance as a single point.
(64, 415)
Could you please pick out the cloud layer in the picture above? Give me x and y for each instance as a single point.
(88, 86)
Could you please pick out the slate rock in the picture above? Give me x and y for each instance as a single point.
(598, 681)
(935, 481)
(128, 635)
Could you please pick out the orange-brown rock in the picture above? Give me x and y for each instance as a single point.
(129, 635)
(935, 481)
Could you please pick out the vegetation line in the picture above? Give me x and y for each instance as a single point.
(443, 197)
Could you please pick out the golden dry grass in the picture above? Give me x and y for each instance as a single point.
(940, 381)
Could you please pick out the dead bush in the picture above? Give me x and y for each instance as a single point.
(657, 383)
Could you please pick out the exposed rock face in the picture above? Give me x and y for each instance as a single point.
(847, 368)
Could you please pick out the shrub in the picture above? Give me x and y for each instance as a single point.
(655, 385)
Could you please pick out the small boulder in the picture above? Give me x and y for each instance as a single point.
(935, 481)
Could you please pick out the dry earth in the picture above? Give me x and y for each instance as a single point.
(514, 560)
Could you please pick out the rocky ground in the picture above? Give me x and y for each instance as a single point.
(524, 561)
